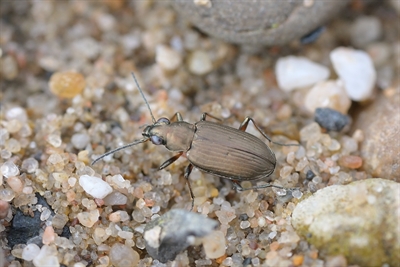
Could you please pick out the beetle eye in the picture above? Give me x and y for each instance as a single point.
(157, 140)
(163, 121)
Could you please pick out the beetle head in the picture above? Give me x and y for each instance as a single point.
(155, 131)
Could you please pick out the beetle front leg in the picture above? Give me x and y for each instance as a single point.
(188, 170)
(170, 161)
(177, 116)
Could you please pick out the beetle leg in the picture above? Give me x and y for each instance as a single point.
(205, 115)
(188, 170)
(177, 116)
(170, 161)
(239, 187)
(245, 123)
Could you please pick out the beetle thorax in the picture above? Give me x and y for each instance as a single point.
(176, 136)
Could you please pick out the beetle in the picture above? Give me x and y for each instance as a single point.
(211, 147)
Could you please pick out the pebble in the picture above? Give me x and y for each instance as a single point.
(54, 140)
(349, 161)
(380, 147)
(95, 186)
(80, 140)
(59, 221)
(4, 208)
(328, 94)
(214, 245)
(299, 72)
(9, 67)
(88, 218)
(67, 84)
(30, 252)
(331, 119)
(356, 70)
(30, 165)
(48, 235)
(47, 257)
(122, 255)
(16, 113)
(170, 234)
(168, 58)
(12, 145)
(355, 220)
(200, 63)
(365, 30)
(379, 53)
(115, 198)
(15, 184)
(9, 169)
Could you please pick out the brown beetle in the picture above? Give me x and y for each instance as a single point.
(211, 147)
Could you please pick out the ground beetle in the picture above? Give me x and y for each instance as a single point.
(211, 147)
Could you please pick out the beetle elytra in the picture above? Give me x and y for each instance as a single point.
(211, 147)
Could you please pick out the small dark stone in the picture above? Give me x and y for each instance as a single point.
(312, 36)
(243, 217)
(25, 229)
(247, 261)
(331, 119)
(310, 175)
(167, 236)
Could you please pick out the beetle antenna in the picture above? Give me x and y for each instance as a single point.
(120, 148)
(145, 100)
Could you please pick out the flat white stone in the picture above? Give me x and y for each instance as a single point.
(356, 70)
(95, 186)
(299, 72)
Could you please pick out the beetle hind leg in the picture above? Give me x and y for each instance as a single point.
(239, 187)
(188, 170)
(245, 123)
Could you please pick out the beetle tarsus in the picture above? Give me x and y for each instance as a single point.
(205, 115)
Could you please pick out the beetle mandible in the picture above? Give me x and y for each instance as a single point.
(211, 147)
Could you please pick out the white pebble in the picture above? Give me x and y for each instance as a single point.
(355, 69)
(80, 140)
(94, 186)
(30, 252)
(46, 257)
(328, 94)
(200, 63)
(9, 169)
(16, 113)
(298, 72)
(167, 58)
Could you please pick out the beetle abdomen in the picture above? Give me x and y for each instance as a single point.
(230, 153)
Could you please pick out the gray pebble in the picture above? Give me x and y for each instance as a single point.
(170, 234)
(331, 119)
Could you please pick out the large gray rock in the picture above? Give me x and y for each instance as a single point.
(359, 220)
(258, 22)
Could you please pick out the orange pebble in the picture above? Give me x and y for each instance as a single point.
(352, 162)
(297, 260)
(48, 235)
(221, 259)
(313, 254)
(67, 84)
(274, 246)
